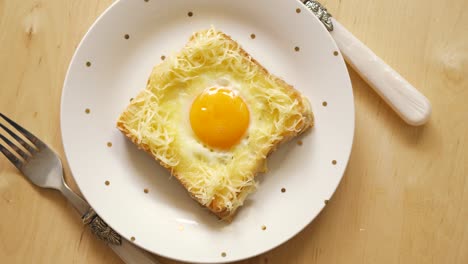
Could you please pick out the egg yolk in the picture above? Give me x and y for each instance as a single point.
(219, 117)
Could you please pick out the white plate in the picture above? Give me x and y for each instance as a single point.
(165, 220)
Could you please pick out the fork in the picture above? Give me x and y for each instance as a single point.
(43, 167)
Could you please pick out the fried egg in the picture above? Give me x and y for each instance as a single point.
(215, 118)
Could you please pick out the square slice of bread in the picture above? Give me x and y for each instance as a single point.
(157, 119)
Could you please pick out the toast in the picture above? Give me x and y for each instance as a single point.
(157, 121)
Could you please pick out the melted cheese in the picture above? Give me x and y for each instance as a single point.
(158, 118)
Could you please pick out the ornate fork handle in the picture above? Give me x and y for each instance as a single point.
(99, 228)
(89, 217)
(128, 252)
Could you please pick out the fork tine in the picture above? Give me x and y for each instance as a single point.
(14, 147)
(18, 139)
(37, 142)
(12, 158)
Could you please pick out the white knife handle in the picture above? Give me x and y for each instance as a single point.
(131, 254)
(403, 98)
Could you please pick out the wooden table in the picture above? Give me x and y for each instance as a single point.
(403, 199)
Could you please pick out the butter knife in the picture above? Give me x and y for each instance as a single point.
(411, 105)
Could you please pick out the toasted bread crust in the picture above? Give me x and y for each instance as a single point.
(307, 121)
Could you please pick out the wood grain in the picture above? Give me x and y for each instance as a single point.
(404, 196)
